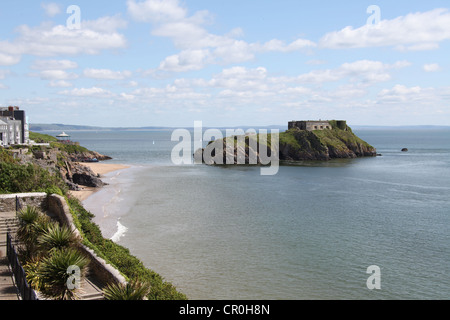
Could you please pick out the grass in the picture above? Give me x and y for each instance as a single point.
(54, 143)
(42, 138)
(340, 139)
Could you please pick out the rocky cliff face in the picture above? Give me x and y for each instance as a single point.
(298, 145)
(77, 175)
(68, 165)
(218, 152)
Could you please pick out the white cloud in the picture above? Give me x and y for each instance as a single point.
(432, 67)
(60, 84)
(54, 65)
(241, 79)
(57, 75)
(106, 74)
(156, 10)
(9, 59)
(281, 46)
(51, 9)
(187, 60)
(93, 92)
(198, 46)
(401, 93)
(415, 31)
(48, 40)
(107, 24)
(364, 71)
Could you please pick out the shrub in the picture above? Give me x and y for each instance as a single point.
(54, 275)
(131, 291)
(17, 178)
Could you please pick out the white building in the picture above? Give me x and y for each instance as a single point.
(13, 127)
(4, 133)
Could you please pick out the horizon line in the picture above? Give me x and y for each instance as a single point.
(218, 127)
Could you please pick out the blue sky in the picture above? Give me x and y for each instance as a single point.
(226, 63)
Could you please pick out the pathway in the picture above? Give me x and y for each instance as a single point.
(8, 290)
(90, 289)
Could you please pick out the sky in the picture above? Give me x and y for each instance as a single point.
(135, 63)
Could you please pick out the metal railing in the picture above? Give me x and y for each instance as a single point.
(25, 290)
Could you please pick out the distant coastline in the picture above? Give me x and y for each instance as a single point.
(65, 127)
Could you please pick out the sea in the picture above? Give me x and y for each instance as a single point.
(357, 229)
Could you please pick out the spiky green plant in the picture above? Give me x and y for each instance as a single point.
(57, 237)
(27, 218)
(131, 291)
(54, 273)
(32, 222)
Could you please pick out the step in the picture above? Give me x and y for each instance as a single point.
(3, 243)
(4, 232)
(92, 296)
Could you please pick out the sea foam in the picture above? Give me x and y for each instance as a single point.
(121, 230)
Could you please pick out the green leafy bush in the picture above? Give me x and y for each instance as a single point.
(17, 178)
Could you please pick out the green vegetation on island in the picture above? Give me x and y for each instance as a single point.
(338, 142)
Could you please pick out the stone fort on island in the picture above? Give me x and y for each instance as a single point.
(312, 125)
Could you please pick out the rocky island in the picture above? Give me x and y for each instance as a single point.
(304, 140)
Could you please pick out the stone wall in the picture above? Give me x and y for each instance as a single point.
(104, 272)
(8, 201)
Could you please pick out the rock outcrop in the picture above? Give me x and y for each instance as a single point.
(68, 165)
(77, 174)
(248, 152)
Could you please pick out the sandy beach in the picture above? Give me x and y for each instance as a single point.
(97, 168)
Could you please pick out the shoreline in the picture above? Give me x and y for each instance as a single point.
(99, 169)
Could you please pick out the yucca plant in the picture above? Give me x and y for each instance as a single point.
(131, 291)
(27, 218)
(57, 237)
(54, 273)
(32, 222)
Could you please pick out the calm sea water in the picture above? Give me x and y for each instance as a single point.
(310, 232)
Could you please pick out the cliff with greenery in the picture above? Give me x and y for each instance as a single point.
(44, 169)
(294, 145)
